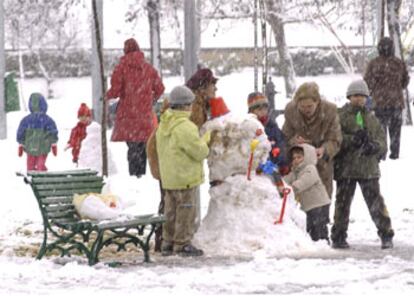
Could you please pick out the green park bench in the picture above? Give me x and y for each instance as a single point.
(63, 229)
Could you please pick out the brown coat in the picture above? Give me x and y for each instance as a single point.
(324, 130)
(386, 78)
(151, 148)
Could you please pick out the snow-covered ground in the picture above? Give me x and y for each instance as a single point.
(316, 269)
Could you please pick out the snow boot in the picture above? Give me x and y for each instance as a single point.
(166, 249)
(340, 244)
(386, 243)
(190, 251)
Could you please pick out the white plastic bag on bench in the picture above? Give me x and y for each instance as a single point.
(97, 206)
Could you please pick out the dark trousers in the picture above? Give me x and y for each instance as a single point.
(158, 231)
(391, 121)
(316, 222)
(370, 188)
(137, 158)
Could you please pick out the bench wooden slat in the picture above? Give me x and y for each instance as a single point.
(85, 172)
(66, 214)
(59, 200)
(58, 207)
(68, 193)
(69, 221)
(137, 220)
(70, 186)
(59, 180)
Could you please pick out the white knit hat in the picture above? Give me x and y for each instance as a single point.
(357, 87)
(181, 95)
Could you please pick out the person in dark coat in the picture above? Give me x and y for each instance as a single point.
(138, 86)
(387, 76)
(37, 134)
(258, 104)
(358, 163)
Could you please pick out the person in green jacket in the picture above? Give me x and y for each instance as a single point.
(181, 152)
(358, 162)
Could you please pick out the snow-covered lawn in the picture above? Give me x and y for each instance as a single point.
(312, 270)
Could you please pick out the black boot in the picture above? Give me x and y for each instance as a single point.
(386, 243)
(190, 250)
(340, 244)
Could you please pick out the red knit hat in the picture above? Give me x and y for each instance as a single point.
(84, 111)
(218, 107)
(256, 99)
(201, 78)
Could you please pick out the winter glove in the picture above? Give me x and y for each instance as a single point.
(275, 152)
(284, 170)
(359, 138)
(370, 148)
(20, 151)
(54, 149)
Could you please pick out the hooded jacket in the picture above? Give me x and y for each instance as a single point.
(180, 151)
(387, 76)
(138, 86)
(306, 183)
(37, 131)
(323, 130)
(349, 162)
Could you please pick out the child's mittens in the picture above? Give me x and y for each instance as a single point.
(54, 149)
(20, 151)
(276, 152)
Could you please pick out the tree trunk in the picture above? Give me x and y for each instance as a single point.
(3, 116)
(191, 38)
(256, 50)
(97, 93)
(285, 59)
(153, 7)
(102, 86)
(393, 7)
(46, 76)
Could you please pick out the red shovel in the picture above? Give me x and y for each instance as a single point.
(286, 191)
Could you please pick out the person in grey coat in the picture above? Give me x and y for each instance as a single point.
(309, 190)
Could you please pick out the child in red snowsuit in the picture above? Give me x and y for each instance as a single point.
(78, 133)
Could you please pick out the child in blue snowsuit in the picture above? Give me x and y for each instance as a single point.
(37, 134)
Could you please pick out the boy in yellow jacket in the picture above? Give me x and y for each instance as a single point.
(181, 152)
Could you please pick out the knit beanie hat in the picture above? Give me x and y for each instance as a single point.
(181, 95)
(256, 99)
(218, 107)
(84, 111)
(357, 87)
(308, 90)
(201, 78)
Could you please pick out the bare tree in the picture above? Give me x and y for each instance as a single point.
(3, 117)
(153, 7)
(97, 29)
(36, 25)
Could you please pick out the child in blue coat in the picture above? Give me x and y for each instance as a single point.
(258, 105)
(37, 134)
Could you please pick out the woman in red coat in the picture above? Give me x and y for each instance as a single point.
(138, 86)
